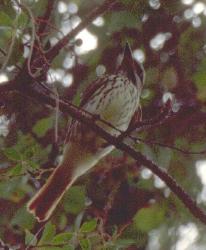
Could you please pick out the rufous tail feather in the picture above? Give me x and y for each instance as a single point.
(47, 198)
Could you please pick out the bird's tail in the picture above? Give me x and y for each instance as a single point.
(47, 198)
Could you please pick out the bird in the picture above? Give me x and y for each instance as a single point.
(114, 98)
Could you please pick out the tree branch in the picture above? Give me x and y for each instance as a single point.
(119, 144)
(24, 83)
(86, 119)
(45, 18)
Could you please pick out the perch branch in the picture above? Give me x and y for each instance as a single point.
(119, 144)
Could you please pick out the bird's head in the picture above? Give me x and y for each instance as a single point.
(132, 69)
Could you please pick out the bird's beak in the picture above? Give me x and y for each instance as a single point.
(131, 68)
(127, 56)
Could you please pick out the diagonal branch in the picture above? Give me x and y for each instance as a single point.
(119, 144)
(23, 83)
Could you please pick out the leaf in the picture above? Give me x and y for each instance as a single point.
(50, 248)
(30, 239)
(60, 247)
(7, 189)
(149, 218)
(137, 8)
(169, 78)
(16, 170)
(67, 248)
(119, 20)
(62, 238)
(74, 201)
(85, 244)
(17, 52)
(22, 20)
(12, 154)
(23, 219)
(42, 126)
(152, 74)
(188, 48)
(164, 157)
(48, 233)
(125, 242)
(200, 80)
(5, 20)
(88, 226)
(7, 7)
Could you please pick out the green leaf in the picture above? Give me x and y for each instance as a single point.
(42, 126)
(50, 248)
(67, 248)
(5, 20)
(7, 189)
(16, 170)
(200, 80)
(137, 8)
(125, 242)
(188, 48)
(119, 20)
(74, 201)
(17, 52)
(12, 154)
(62, 238)
(30, 239)
(149, 218)
(85, 244)
(23, 219)
(152, 74)
(62, 247)
(7, 7)
(22, 20)
(48, 233)
(164, 157)
(88, 226)
(33, 165)
(169, 78)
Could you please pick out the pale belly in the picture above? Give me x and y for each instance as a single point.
(116, 108)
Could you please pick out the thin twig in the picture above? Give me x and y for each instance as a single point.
(183, 151)
(33, 239)
(45, 18)
(33, 35)
(56, 115)
(33, 38)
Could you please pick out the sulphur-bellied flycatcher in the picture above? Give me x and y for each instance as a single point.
(114, 99)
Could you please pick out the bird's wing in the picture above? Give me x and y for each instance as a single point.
(87, 94)
(92, 88)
